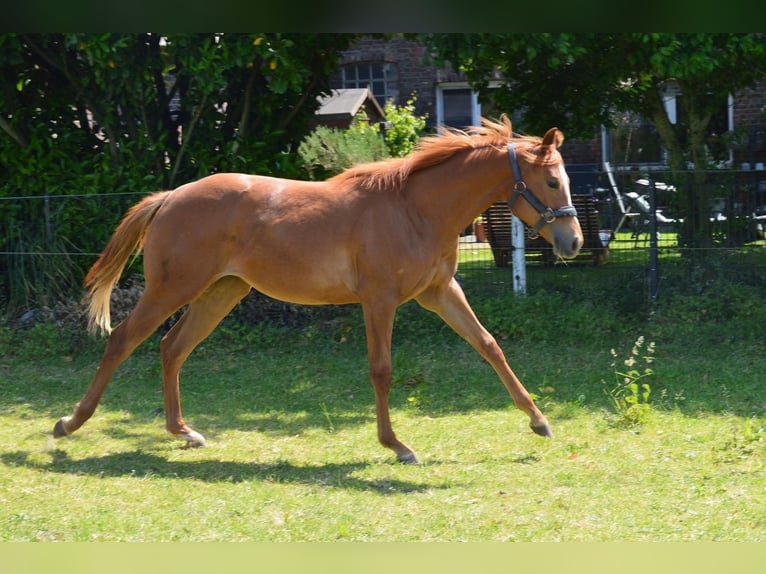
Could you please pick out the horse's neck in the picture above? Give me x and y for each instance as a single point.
(453, 194)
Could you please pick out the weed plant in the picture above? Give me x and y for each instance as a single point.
(631, 390)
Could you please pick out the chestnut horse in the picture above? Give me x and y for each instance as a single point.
(378, 234)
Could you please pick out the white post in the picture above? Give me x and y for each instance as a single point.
(519, 260)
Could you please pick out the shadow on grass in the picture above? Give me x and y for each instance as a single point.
(294, 383)
(281, 423)
(144, 465)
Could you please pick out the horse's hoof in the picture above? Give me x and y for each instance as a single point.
(59, 430)
(193, 439)
(408, 458)
(542, 429)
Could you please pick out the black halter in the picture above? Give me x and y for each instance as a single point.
(547, 214)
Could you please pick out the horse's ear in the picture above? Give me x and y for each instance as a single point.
(553, 136)
(506, 121)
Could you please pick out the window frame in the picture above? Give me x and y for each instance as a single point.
(671, 109)
(369, 82)
(475, 104)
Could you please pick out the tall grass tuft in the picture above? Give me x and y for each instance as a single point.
(40, 269)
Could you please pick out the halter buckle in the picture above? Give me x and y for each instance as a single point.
(548, 215)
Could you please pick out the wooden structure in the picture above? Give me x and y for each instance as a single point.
(497, 225)
(339, 108)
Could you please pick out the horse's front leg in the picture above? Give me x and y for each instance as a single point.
(379, 322)
(449, 302)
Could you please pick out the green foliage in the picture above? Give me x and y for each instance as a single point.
(85, 114)
(6, 338)
(546, 317)
(630, 394)
(719, 297)
(404, 127)
(329, 151)
(239, 336)
(41, 340)
(744, 442)
(730, 302)
(578, 80)
(38, 270)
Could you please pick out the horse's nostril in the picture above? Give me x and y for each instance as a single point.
(576, 244)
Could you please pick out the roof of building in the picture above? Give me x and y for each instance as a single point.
(345, 103)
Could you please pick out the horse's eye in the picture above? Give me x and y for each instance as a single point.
(553, 183)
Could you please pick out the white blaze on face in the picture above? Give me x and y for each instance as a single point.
(564, 179)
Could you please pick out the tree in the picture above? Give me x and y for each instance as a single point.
(577, 81)
(100, 113)
(179, 105)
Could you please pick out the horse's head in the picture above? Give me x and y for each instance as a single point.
(540, 197)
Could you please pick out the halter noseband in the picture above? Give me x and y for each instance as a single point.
(547, 214)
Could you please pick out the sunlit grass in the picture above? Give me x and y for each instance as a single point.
(289, 417)
(293, 453)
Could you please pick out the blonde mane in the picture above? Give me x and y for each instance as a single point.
(435, 149)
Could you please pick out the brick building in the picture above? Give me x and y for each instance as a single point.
(749, 117)
(397, 68)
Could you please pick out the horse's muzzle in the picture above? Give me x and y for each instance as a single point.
(566, 245)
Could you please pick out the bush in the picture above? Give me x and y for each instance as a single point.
(404, 128)
(328, 151)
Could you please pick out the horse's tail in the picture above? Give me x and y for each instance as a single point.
(127, 238)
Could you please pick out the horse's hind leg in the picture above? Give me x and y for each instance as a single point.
(145, 318)
(379, 322)
(199, 320)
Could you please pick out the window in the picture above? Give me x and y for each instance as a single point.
(458, 106)
(720, 123)
(379, 77)
(635, 141)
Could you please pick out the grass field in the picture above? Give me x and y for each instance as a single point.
(293, 456)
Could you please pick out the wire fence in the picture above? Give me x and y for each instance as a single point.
(633, 233)
(48, 242)
(625, 263)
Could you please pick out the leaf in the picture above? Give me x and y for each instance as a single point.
(647, 390)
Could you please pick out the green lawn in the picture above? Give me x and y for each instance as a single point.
(292, 453)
